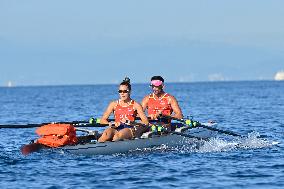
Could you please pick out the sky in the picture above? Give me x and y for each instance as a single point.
(100, 42)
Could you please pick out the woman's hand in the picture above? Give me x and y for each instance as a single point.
(153, 116)
(114, 124)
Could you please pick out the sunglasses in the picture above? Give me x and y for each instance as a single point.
(156, 86)
(123, 91)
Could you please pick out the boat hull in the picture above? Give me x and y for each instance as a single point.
(170, 140)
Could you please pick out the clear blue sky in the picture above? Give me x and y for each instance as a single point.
(89, 42)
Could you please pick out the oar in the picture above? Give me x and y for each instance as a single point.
(93, 123)
(41, 124)
(30, 148)
(32, 125)
(21, 126)
(188, 136)
(198, 124)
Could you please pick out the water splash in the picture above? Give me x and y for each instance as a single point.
(252, 141)
(217, 145)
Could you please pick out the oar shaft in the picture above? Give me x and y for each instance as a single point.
(20, 126)
(95, 123)
(91, 125)
(207, 127)
(38, 125)
(188, 135)
(221, 131)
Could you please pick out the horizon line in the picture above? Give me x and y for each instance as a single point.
(134, 83)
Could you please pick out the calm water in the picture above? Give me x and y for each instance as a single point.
(244, 107)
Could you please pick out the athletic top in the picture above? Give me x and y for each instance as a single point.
(125, 112)
(162, 104)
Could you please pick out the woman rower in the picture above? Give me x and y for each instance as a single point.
(125, 109)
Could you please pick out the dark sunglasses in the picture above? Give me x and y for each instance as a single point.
(123, 91)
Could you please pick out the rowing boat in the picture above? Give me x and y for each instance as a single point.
(186, 133)
(177, 138)
(90, 146)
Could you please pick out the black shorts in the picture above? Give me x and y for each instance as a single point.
(136, 130)
(122, 126)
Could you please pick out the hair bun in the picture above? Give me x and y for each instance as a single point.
(126, 79)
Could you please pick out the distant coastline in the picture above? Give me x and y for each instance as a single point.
(138, 83)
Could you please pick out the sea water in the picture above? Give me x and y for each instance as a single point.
(254, 109)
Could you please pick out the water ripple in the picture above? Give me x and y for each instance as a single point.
(253, 109)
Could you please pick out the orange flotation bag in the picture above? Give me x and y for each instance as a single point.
(57, 134)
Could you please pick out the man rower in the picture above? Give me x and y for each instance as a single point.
(159, 102)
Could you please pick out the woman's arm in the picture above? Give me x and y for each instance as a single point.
(107, 113)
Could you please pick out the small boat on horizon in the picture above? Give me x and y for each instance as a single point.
(279, 76)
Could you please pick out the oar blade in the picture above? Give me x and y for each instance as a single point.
(30, 148)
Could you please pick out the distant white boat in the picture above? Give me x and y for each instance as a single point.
(9, 84)
(279, 76)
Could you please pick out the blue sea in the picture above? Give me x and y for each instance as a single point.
(251, 108)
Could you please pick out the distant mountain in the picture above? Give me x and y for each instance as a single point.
(108, 62)
(194, 61)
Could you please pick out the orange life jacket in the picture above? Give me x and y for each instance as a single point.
(58, 134)
(157, 105)
(125, 112)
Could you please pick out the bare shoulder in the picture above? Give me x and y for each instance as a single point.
(137, 105)
(112, 104)
(146, 98)
(108, 111)
(172, 98)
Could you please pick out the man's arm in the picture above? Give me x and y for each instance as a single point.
(176, 109)
(144, 102)
(141, 114)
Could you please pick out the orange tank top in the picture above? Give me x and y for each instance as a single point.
(162, 104)
(125, 112)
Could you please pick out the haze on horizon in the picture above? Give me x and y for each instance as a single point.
(100, 42)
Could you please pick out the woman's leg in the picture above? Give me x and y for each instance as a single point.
(107, 135)
(123, 134)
